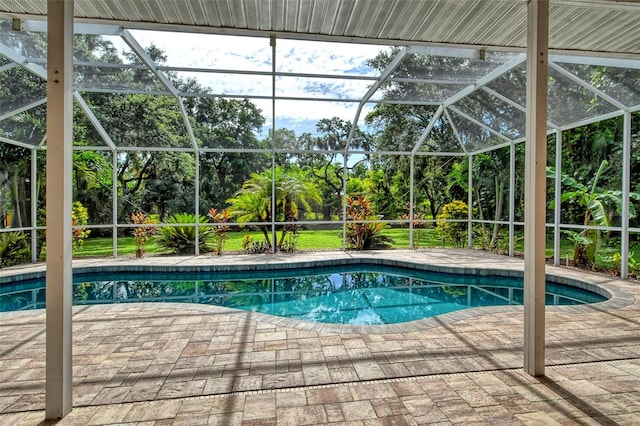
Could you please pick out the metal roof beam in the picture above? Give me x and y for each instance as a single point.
(78, 27)
(23, 108)
(94, 120)
(428, 129)
(374, 87)
(16, 143)
(455, 131)
(492, 148)
(488, 78)
(8, 66)
(571, 76)
(480, 124)
(23, 61)
(596, 61)
(514, 104)
(453, 52)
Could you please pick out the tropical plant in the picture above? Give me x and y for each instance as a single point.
(180, 236)
(632, 262)
(598, 204)
(293, 192)
(79, 219)
(581, 243)
(220, 230)
(14, 249)
(448, 222)
(418, 224)
(361, 234)
(143, 233)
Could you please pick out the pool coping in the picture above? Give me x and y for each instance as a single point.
(435, 260)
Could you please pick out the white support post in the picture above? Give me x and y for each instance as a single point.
(34, 205)
(58, 397)
(114, 202)
(412, 166)
(274, 204)
(512, 199)
(470, 204)
(557, 217)
(197, 201)
(535, 186)
(626, 188)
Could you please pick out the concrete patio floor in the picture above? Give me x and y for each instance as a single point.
(168, 363)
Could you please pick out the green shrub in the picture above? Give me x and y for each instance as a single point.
(455, 232)
(13, 249)
(180, 238)
(220, 231)
(79, 218)
(363, 236)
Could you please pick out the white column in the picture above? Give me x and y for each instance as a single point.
(558, 202)
(535, 186)
(470, 204)
(114, 202)
(34, 205)
(412, 167)
(58, 402)
(512, 198)
(626, 188)
(197, 201)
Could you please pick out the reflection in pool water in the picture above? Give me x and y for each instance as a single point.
(344, 295)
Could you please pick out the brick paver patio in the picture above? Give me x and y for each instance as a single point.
(167, 363)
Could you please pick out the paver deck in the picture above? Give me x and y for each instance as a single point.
(167, 363)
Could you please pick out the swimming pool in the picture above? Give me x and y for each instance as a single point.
(346, 294)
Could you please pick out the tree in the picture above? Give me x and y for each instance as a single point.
(293, 193)
(225, 123)
(400, 126)
(596, 203)
(326, 164)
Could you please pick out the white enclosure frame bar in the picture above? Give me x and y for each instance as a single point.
(142, 54)
(512, 198)
(557, 211)
(34, 205)
(626, 188)
(23, 109)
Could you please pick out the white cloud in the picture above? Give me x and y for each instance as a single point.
(292, 56)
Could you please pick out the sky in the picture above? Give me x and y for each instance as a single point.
(250, 53)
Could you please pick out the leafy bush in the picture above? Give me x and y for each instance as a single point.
(79, 218)
(254, 247)
(455, 232)
(13, 249)
(180, 238)
(362, 236)
(221, 229)
(143, 233)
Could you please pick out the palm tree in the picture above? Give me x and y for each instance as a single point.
(293, 191)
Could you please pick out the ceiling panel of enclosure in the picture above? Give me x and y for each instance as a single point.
(578, 25)
(302, 62)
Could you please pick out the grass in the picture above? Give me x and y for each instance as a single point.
(328, 240)
(307, 240)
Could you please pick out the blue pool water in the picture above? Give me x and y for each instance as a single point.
(367, 294)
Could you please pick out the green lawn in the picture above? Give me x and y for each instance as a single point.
(307, 240)
(326, 240)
